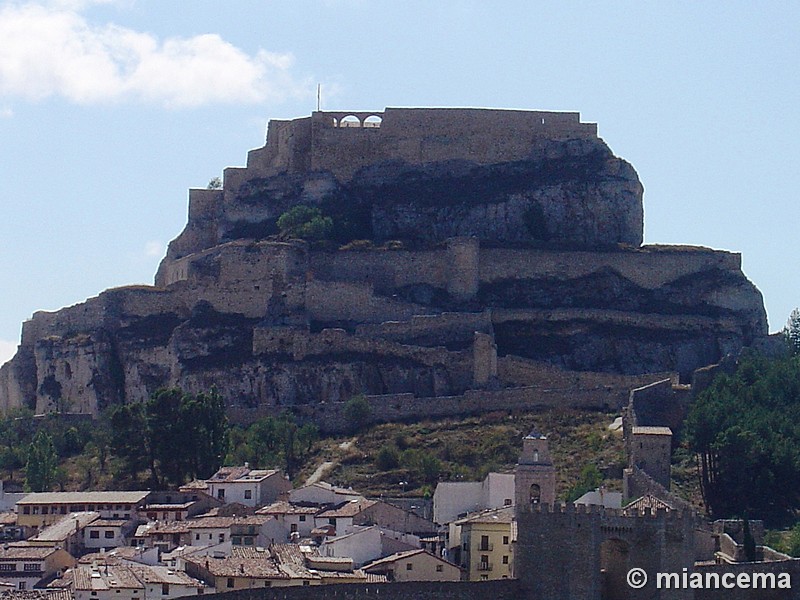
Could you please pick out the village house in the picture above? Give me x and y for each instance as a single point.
(8, 527)
(66, 533)
(454, 499)
(130, 582)
(365, 544)
(322, 492)
(40, 509)
(487, 544)
(249, 530)
(164, 535)
(258, 570)
(107, 533)
(25, 567)
(251, 487)
(414, 565)
(293, 518)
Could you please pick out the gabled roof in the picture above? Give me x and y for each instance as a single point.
(85, 497)
(648, 501)
(494, 515)
(282, 507)
(347, 509)
(388, 560)
(241, 475)
(27, 552)
(69, 525)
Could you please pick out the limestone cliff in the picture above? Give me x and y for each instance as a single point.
(514, 278)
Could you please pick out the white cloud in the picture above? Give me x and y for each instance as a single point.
(53, 50)
(7, 350)
(153, 249)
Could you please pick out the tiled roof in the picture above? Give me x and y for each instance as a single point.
(495, 515)
(286, 508)
(35, 595)
(647, 501)
(8, 518)
(256, 568)
(348, 509)
(67, 526)
(84, 497)
(23, 552)
(160, 574)
(226, 522)
(240, 474)
(154, 527)
(107, 577)
(652, 431)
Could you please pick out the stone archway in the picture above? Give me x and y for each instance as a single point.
(614, 565)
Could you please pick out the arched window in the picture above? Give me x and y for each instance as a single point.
(372, 121)
(536, 494)
(349, 121)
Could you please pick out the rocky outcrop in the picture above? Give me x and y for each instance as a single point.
(515, 255)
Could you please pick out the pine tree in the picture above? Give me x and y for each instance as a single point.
(792, 332)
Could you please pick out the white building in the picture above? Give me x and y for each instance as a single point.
(251, 487)
(322, 493)
(365, 544)
(454, 499)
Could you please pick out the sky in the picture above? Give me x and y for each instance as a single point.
(110, 110)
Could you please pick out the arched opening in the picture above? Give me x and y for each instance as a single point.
(614, 566)
(335, 122)
(349, 121)
(535, 494)
(372, 121)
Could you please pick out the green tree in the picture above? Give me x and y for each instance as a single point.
(305, 222)
(792, 332)
(41, 468)
(744, 429)
(357, 412)
(590, 479)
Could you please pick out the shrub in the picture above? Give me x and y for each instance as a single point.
(305, 222)
(388, 458)
(357, 412)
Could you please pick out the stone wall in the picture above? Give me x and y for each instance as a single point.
(561, 551)
(415, 136)
(792, 567)
(508, 589)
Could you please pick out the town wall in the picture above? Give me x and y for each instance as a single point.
(561, 551)
(440, 327)
(508, 589)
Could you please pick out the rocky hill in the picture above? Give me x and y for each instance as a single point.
(503, 269)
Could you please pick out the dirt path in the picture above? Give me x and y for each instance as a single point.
(320, 471)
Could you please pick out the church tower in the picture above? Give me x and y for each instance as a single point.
(535, 475)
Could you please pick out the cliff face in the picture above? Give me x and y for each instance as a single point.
(520, 281)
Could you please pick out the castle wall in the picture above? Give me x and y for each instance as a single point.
(649, 267)
(508, 589)
(411, 135)
(560, 554)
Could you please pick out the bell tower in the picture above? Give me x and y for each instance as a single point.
(535, 475)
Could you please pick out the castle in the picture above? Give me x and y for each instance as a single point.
(490, 259)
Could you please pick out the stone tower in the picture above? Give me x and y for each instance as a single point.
(535, 475)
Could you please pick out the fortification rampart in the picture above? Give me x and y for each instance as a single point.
(507, 589)
(427, 329)
(325, 141)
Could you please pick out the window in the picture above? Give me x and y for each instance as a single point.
(23, 585)
(439, 568)
(109, 535)
(197, 536)
(8, 567)
(302, 518)
(505, 540)
(332, 522)
(409, 566)
(221, 494)
(505, 560)
(94, 534)
(293, 527)
(506, 501)
(485, 545)
(484, 578)
(230, 582)
(31, 567)
(221, 537)
(26, 510)
(248, 494)
(63, 510)
(165, 589)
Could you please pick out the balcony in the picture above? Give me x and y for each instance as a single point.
(485, 566)
(485, 547)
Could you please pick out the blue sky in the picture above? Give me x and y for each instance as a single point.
(111, 109)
